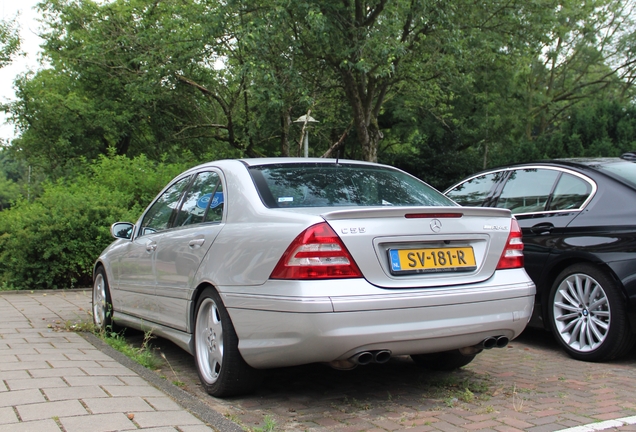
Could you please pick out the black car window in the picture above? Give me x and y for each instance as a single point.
(570, 193)
(157, 218)
(331, 185)
(624, 171)
(203, 196)
(527, 190)
(474, 192)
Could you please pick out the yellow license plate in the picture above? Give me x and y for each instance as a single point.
(432, 260)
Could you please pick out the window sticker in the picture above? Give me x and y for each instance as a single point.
(285, 199)
(203, 201)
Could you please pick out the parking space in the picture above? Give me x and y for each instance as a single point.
(531, 385)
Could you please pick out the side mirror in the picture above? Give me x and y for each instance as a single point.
(122, 230)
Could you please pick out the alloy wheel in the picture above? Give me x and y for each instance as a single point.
(209, 341)
(99, 301)
(581, 312)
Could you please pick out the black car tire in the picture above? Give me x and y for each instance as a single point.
(102, 304)
(220, 366)
(588, 315)
(442, 361)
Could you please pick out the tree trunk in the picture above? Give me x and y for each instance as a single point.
(364, 116)
(286, 121)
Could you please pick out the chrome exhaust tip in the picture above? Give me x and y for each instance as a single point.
(363, 358)
(489, 343)
(502, 341)
(381, 356)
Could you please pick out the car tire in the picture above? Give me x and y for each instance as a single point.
(220, 366)
(102, 305)
(443, 361)
(588, 315)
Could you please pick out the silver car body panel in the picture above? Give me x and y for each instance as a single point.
(154, 278)
(182, 339)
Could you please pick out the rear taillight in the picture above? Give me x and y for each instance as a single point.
(512, 256)
(317, 253)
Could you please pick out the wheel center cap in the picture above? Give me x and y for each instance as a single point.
(585, 312)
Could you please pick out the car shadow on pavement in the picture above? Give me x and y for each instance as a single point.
(520, 381)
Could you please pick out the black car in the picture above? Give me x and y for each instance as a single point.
(578, 218)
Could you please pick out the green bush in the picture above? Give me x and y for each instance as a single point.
(53, 241)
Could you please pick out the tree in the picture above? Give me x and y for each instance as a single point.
(9, 41)
(122, 75)
(589, 52)
(228, 78)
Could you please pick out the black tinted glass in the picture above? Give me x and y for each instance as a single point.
(474, 192)
(570, 193)
(330, 185)
(624, 171)
(527, 190)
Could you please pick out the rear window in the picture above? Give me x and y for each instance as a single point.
(624, 171)
(335, 185)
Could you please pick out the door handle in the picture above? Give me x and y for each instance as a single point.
(196, 243)
(151, 246)
(542, 228)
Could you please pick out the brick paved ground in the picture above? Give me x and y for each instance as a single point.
(530, 385)
(57, 381)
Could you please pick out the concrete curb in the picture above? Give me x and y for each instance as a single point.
(181, 397)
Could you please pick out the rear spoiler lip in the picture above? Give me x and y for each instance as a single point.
(388, 212)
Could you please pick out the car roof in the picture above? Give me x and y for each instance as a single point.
(282, 160)
(574, 163)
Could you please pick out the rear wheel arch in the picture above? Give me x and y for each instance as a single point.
(221, 368)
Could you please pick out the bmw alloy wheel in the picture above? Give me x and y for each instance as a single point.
(582, 313)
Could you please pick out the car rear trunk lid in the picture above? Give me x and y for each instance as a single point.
(416, 247)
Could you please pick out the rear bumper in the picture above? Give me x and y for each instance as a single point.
(304, 327)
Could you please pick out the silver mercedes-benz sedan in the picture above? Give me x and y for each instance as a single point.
(261, 263)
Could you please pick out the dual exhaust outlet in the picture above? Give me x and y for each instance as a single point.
(488, 343)
(495, 342)
(367, 357)
(382, 356)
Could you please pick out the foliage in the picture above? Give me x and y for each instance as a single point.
(269, 426)
(229, 78)
(143, 354)
(139, 98)
(595, 129)
(53, 240)
(439, 88)
(9, 41)
(9, 191)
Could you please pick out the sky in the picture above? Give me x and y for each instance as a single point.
(27, 19)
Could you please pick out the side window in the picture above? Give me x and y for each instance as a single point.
(215, 211)
(527, 190)
(570, 193)
(474, 191)
(157, 218)
(205, 195)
